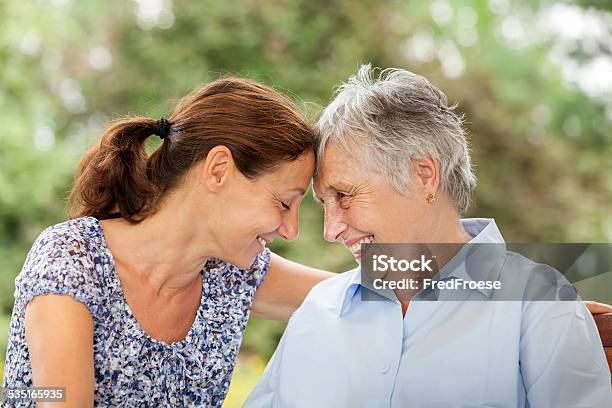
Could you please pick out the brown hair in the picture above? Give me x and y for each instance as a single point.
(261, 128)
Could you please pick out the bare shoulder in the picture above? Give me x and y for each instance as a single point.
(57, 312)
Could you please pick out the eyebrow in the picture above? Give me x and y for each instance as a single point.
(298, 190)
(336, 186)
(339, 186)
(295, 190)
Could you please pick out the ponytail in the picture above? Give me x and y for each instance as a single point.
(112, 175)
(260, 127)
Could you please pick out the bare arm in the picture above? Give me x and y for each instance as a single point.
(59, 334)
(285, 288)
(597, 308)
(288, 283)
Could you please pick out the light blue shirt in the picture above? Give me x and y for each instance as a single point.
(341, 351)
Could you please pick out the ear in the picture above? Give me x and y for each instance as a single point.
(426, 174)
(217, 167)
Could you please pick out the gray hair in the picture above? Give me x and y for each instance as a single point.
(397, 116)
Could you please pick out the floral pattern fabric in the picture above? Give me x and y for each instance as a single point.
(133, 369)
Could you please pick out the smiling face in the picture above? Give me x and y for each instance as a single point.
(257, 211)
(361, 206)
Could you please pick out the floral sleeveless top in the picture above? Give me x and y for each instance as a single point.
(131, 368)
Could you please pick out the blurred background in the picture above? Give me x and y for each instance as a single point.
(534, 79)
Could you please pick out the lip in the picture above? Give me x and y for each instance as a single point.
(350, 242)
(268, 240)
(259, 243)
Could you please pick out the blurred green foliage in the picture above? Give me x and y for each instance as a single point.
(541, 145)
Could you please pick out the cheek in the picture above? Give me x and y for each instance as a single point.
(265, 219)
(363, 219)
(271, 220)
(242, 224)
(379, 218)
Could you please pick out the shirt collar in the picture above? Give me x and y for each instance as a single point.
(483, 230)
(350, 291)
(475, 262)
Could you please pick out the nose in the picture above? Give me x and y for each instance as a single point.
(289, 229)
(333, 226)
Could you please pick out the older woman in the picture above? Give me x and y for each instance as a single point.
(141, 299)
(395, 168)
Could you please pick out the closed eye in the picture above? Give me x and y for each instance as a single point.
(285, 206)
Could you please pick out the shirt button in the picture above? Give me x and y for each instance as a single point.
(385, 369)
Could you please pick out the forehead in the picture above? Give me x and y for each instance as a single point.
(293, 175)
(338, 166)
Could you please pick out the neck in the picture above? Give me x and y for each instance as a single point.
(445, 228)
(448, 230)
(446, 225)
(165, 251)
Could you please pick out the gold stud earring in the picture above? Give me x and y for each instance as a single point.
(431, 198)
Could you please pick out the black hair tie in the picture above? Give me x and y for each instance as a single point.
(162, 128)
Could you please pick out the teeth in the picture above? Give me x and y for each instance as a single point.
(262, 241)
(356, 247)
